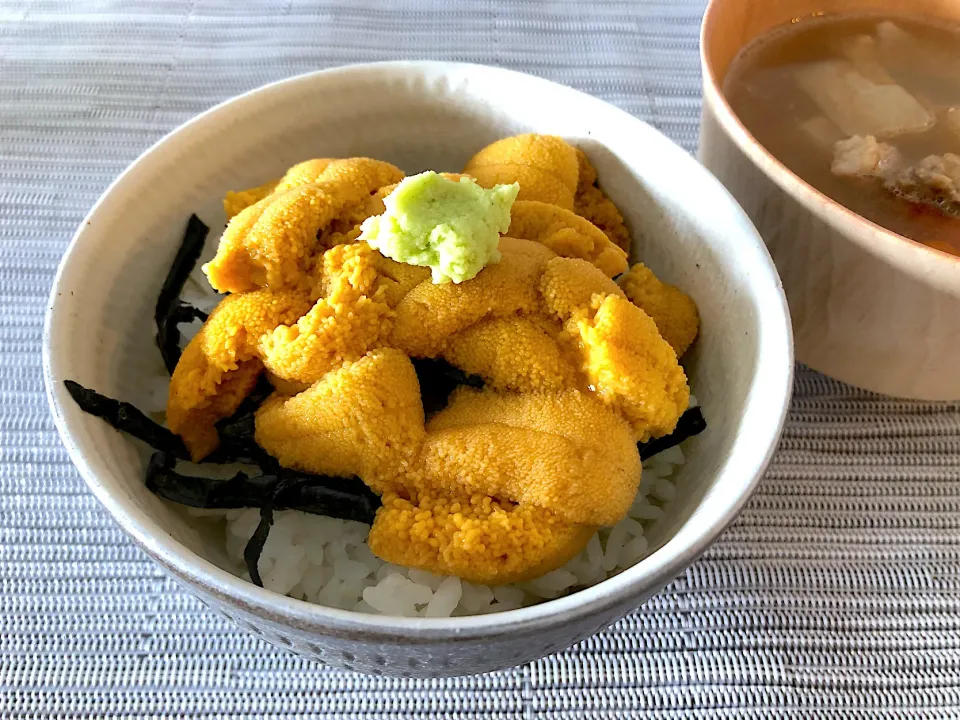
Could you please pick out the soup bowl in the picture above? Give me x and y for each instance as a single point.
(99, 331)
(869, 307)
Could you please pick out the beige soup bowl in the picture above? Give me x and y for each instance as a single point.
(869, 306)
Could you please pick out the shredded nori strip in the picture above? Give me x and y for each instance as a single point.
(171, 311)
(343, 498)
(125, 417)
(254, 547)
(237, 442)
(168, 332)
(184, 312)
(206, 493)
(275, 488)
(338, 497)
(438, 379)
(690, 423)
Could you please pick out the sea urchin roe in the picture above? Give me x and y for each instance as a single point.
(220, 365)
(592, 204)
(364, 418)
(630, 365)
(502, 484)
(474, 537)
(671, 309)
(535, 361)
(451, 227)
(567, 452)
(271, 243)
(567, 234)
(236, 202)
(349, 320)
(196, 423)
(569, 284)
(545, 166)
(430, 314)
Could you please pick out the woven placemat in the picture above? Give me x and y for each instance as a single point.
(836, 594)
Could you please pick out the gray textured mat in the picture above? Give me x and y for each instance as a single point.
(836, 594)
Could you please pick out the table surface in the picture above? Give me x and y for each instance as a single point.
(835, 594)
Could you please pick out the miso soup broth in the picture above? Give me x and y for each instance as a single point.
(866, 109)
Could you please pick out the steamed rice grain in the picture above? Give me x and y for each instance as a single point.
(327, 561)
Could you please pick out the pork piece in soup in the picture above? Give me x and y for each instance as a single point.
(866, 109)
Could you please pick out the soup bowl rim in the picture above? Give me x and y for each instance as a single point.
(929, 264)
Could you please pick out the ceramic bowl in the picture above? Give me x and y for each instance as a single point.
(869, 306)
(99, 330)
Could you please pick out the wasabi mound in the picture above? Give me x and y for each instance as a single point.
(452, 227)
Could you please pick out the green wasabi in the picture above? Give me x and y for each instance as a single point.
(452, 227)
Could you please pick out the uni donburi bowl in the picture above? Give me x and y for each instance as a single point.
(99, 330)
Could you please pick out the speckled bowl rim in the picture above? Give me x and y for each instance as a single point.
(775, 356)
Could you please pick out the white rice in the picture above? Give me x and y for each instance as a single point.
(326, 561)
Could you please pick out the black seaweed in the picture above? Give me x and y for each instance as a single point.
(239, 491)
(127, 418)
(237, 442)
(343, 498)
(275, 488)
(438, 379)
(254, 547)
(690, 423)
(171, 311)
